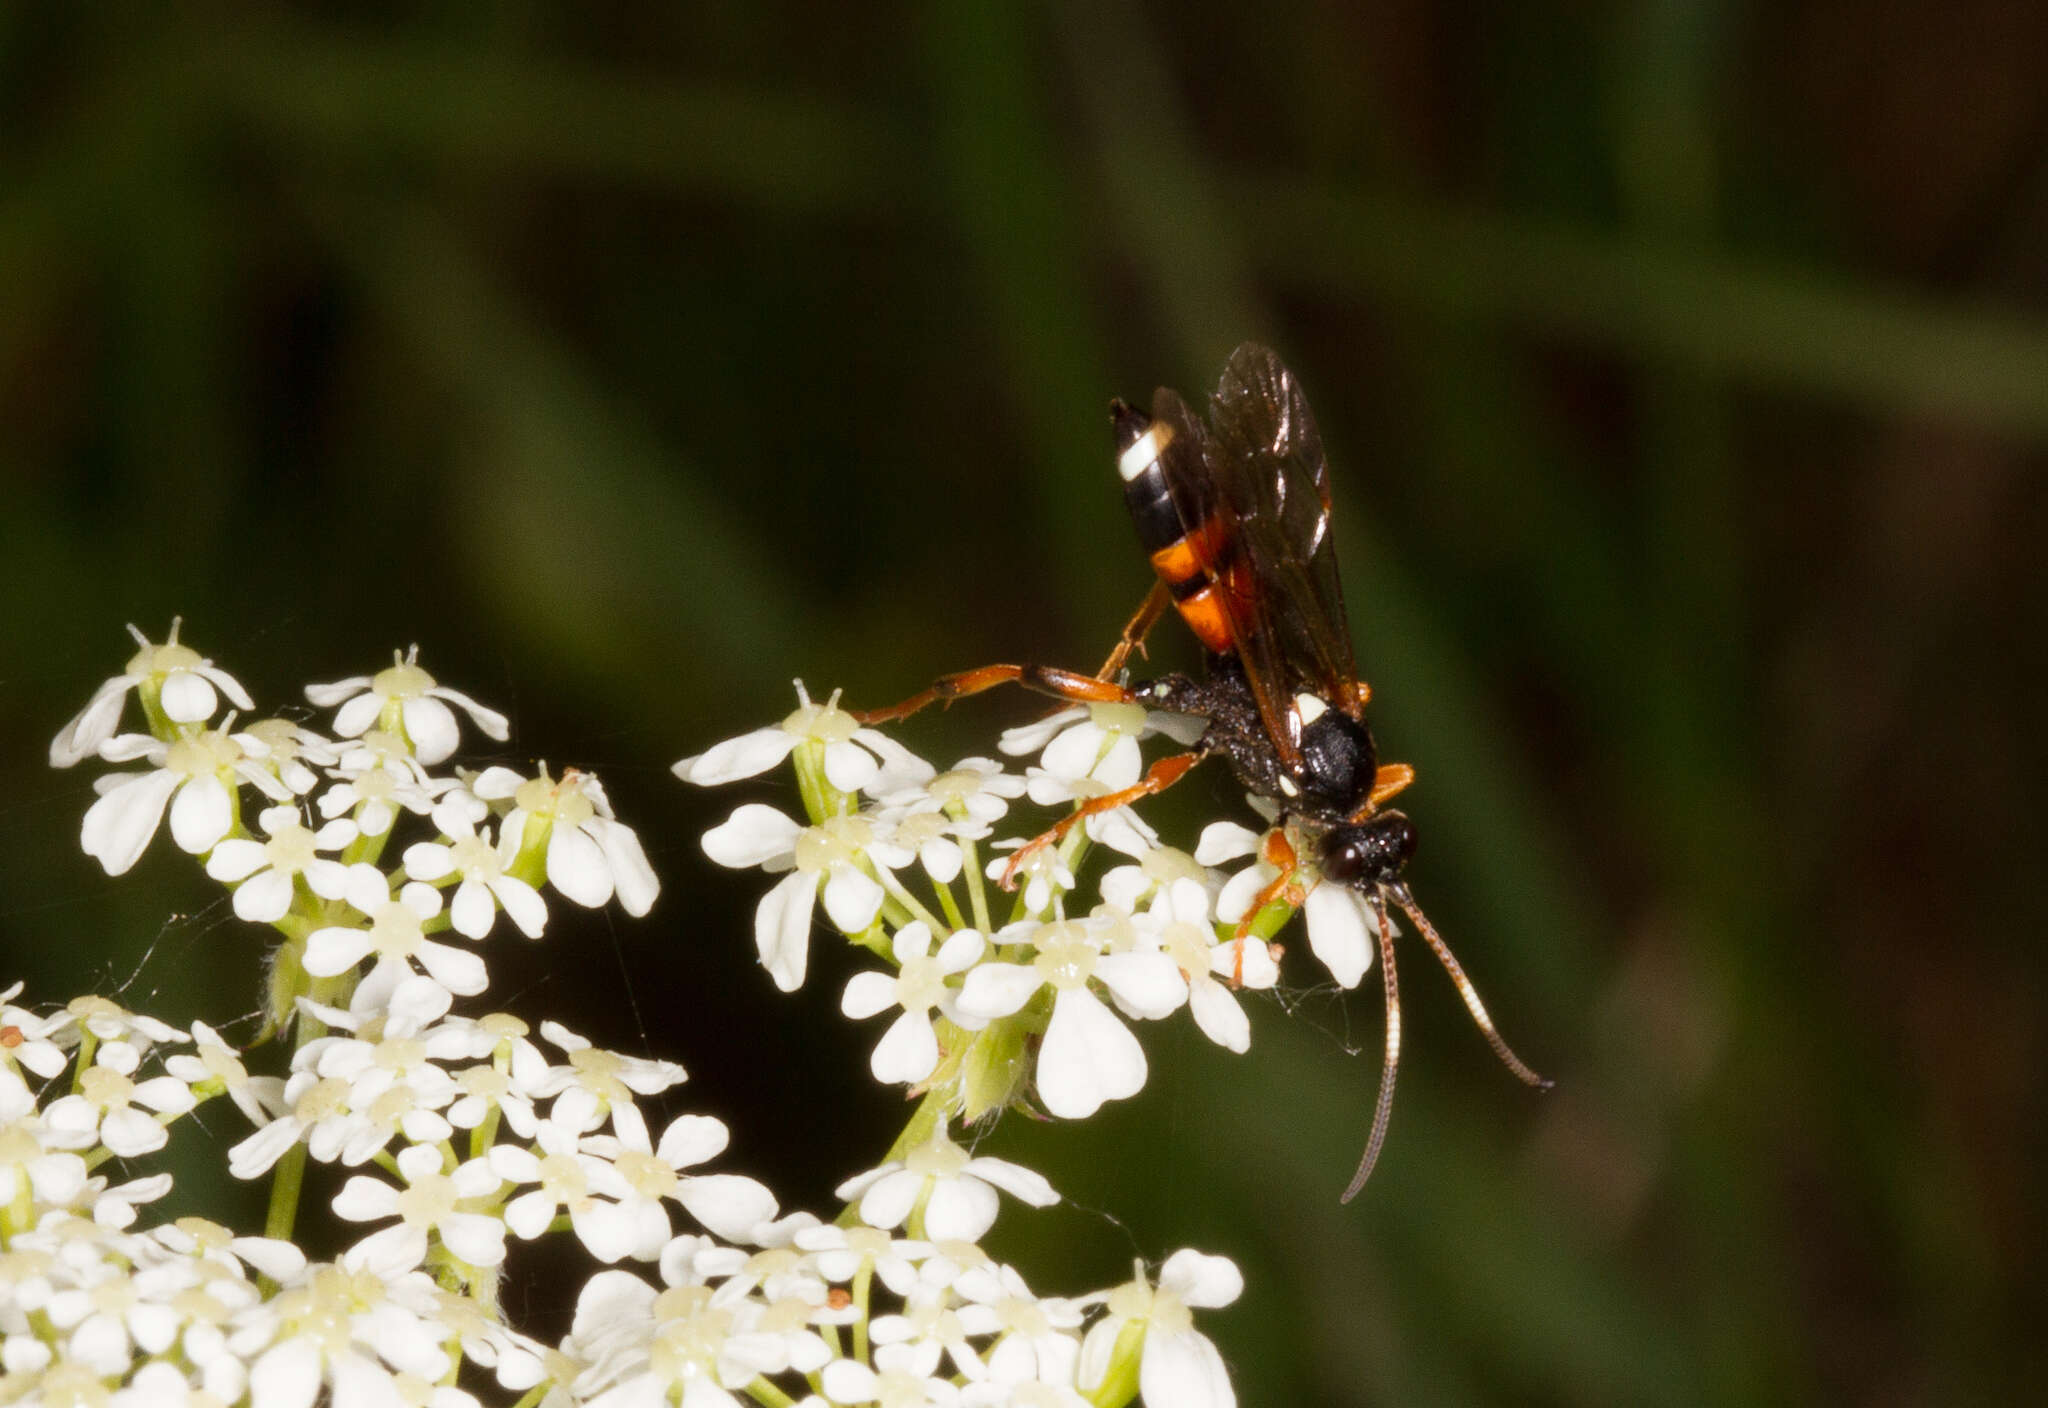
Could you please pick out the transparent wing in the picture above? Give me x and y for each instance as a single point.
(1267, 461)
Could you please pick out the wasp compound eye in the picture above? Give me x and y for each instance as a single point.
(1366, 857)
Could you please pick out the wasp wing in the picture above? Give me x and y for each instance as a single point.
(1267, 462)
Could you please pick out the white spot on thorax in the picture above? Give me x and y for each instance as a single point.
(1308, 708)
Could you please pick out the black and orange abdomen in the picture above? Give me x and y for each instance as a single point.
(1197, 561)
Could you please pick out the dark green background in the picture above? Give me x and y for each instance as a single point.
(1685, 374)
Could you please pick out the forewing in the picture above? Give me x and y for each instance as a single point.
(1268, 461)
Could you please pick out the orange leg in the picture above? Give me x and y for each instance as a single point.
(1162, 775)
(1390, 781)
(1136, 629)
(1046, 679)
(1277, 852)
(1361, 695)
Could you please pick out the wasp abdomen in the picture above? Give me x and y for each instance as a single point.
(1189, 557)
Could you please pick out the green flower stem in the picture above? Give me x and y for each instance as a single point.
(954, 918)
(286, 1182)
(1120, 1381)
(87, 1045)
(863, 1282)
(908, 900)
(875, 939)
(821, 799)
(1269, 921)
(532, 1397)
(761, 1391)
(288, 1179)
(977, 893)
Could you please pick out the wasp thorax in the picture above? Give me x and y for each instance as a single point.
(1338, 760)
(1367, 856)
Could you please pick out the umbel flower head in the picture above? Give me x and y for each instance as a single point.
(445, 1136)
(1000, 997)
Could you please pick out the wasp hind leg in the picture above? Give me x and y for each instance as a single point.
(1046, 679)
(1136, 629)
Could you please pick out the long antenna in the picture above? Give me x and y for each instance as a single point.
(1385, 1107)
(1401, 896)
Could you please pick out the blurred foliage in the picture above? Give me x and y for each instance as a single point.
(1686, 372)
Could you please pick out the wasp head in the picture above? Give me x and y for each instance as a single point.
(1369, 855)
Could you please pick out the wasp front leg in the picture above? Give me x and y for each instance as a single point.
(1389, 782)
(1279, 853)
(1046, 679)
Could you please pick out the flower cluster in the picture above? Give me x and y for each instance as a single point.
(442, 1139)
(1002, 997)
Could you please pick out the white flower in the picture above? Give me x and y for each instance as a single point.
(289, 750)
(905, 1375)
(39, 1042)
(195, 775)
(1046, 876)
(377, 776)
(1040, 1335)
(104, 1109)
(566, 1178)
(596, 1085)
(212, 1060)
(958, 1189)
(1180, 1368)
(909, 1050)
(974, 790)
(264, 870)
(185, 685)
(1128, 887)
(485, 885)
(30, 1164)
(1091, 749)
(854, 757)
(1087, 1056)
(430, 1203)
(825, 857)
(590, 855)
(395, 934)
(110, 1022)
(685, 1345)
(728, 1204)
(403, 696)
(1179, 922)
(345, 1329)
(841, 1253)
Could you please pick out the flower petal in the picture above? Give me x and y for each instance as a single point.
(852, 899)
(188, 697)
(782, 928)
(201, 815)
(746, 756)
(1183, 1370)
(752, 835)
(118, 826)
(907, 1052)
(1339, 934)
(1087, 1057)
